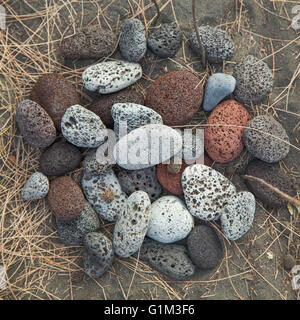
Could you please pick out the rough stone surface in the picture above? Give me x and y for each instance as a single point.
(238, 215)
(93, 166)
(111, 76)
(272, 174)
(60, 158)
(218, 86)
(133, 44)
(205, 247)
(83, 128)
(55, 94)
(36, 187)
(35, 125)
(144, 180)
(266, 139)
(130, 116)
(131, 227)
(65, 198)
(105, 195)
(217, 43)
(72, 232)
(254, 80)
(170, 221)
(169, 259)
(176, 96)
(206, 191)
(165, 41)
(224, 143)
(89, 42)
(102, 105)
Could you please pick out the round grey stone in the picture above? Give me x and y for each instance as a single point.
(36, 187)
(93, 166)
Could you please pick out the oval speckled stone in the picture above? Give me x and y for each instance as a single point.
(104, 193)
(98, 254)
(102, 105)
(55, 94)
(273, 175)
(169, 259)
(60, 158)
(72, 232)
(224, 131)
(132, 43)
(238, 215)
(111, 76)
(176, 96)
(266, 139)
(170, 221)
(94, 164)
(83, 128)
(131, 227)
(144, 179)
(36, 187)
(217, 43)
(35, 125)
(205, 247)
(65, 198)
(254, 80)
(89, 42)
(165, 41)
(206, 191)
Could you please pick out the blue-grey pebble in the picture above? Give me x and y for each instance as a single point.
(218, 86)
(36, 187)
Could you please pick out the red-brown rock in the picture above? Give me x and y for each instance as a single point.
(224, 130)
(176, 96)
(66, 199)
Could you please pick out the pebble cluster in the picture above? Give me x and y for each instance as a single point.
(157, 202)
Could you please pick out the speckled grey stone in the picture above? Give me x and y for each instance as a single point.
(132, 44)
(238, 215)
(82, 127)
(218, 86)
(72, 232)
(165, 41)
(130, 116)
(169, 259)
(93, 166)
(131, 227)
(145, 180)
(254, 80)
(99, 254)
(36, 187)
(104, 193)
(206, 191)
(266, 139)
(111, 76)
(217, 43)
(170, 221)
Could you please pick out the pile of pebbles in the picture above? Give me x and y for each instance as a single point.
(171, 232)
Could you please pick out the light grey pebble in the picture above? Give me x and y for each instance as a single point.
(165, 41)
(133, 44)
(217, 43)
(144, 179)
(105, 195)
(169, 259)
(36, 187)
(95, 164)
(266, 139)
(130, 116)
(206, 191)
(131, 227)
(72, 232)
(147, 146)
(254, 80)
(170, 221)
(238, 215)
(83, 128)
(111, 76)
(218, 86)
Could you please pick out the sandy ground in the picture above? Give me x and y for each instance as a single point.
(253, 266)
